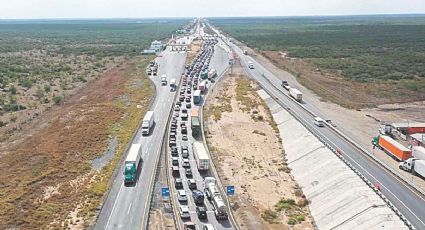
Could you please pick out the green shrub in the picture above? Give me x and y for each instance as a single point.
(57, 100)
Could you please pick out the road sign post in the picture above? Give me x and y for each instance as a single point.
(230, 190)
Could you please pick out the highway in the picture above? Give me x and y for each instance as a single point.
(408, 202)
(219, 61)
(127, 207)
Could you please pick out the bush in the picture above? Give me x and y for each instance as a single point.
(2, 123)
(47, 88)
(27, 83)
(12, 90)
(58, 99)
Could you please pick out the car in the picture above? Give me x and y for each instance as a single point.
(178, 183)
(208, 227)
(184, 212)
(187, 99)
(172, 143)
(179, 103)
(177, 108)
(198, 197)
(174, 151)
(185, 152)
(188, 105)
(184, 137)
(192, 183)
(176, 171)
(190, 226)
(182, 124)
(188, 172)
(181, 195)
(186, 163)
(201, 211)
(184, 130)
(184, 116)
(176, 114)
(181, 98)
(175, 161)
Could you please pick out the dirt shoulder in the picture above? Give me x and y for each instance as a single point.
(247, 151)
(193, 50)
(47, 179)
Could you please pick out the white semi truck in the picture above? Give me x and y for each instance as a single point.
(418, 152)
(201, 156)
(414, 165)
(296, 94)
(147, 123)
(212, 193)
(132, 163)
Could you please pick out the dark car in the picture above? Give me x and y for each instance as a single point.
(201, 211)
(188, 105)
(198, 196)
(188, 172)
(184, 130)
(178, 183)
(174, 151)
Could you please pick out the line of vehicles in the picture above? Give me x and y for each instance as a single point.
(185, 147)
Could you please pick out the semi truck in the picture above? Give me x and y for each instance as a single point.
(201, 157)
(296, 94)
(219, 208)
(147, 123)
(212, 74)
(195, 123)
(414, 165)
(418, 152)
(202, 86)
(197, 97)
(132, 163)
(392, 147)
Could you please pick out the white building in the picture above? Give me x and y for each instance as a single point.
(156, 45)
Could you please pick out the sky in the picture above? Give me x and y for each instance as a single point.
(45, 9)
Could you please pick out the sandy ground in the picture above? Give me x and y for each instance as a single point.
(361, 124)
(249, 155)
(194, 48)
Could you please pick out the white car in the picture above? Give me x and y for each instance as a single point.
(184, 212)
(319, 122)
(181, 195)
(208, 227)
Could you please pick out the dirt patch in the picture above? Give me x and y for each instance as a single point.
(194, 48)
(248, 154)
(57, 151)
(334, 87)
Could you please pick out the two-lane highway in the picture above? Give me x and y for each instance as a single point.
(127, 207)
(408, 202)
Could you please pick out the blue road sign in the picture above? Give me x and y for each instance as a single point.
(165, 192)
(230, 190)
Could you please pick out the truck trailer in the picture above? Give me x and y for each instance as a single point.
(195, 123)
(197, 97)
(414, 165)
(201, 157)
(418, 152)
(392, 147)
(132, 163)
(202, 86)
(147, 123)
(296, 94)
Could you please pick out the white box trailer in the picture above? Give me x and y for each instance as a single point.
(419, 168)
(201, 157)
(147, 123)
(418, 152)
(296, 94)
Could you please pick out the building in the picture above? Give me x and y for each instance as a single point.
(156, 45)
(404, 129)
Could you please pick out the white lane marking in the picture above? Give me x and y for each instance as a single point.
(113, 206)
(129, 208)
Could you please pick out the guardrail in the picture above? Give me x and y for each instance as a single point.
(213, 170)
(335, 151)
(127, 148)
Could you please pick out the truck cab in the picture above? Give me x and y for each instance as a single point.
(250, 65)
(407, 165)
(130, 173)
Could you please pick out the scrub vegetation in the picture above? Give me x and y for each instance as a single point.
(385, 50)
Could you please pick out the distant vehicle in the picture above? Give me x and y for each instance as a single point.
(176, 171)
(188, 172)
(164, 79)
(250, 65)
(186, 163)
(181, 195)
(319, 122)
(285, 85)
(208, 227)
(197, 97)
(219, 208)
(184, 151)
(201, 211)
(192, 184)
(178, 183)
(296, 94)
(175, 161)
(212, 74)
(392, 147)
(414, 165)
(132, 163)
(195, 122)
(210, 187)
(147, 123)
(201, 157)
(198, 196)
(245, 52)
(173, 84)
(190, 226)
(202, 86)
(184, 212)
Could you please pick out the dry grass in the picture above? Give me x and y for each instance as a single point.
(60, 153)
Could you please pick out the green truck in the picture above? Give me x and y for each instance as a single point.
(132, 163)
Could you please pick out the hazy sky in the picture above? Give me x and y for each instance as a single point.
(23, 9)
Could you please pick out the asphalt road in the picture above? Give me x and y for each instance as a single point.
(127, 207)
(219, 61)
(408, 202)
